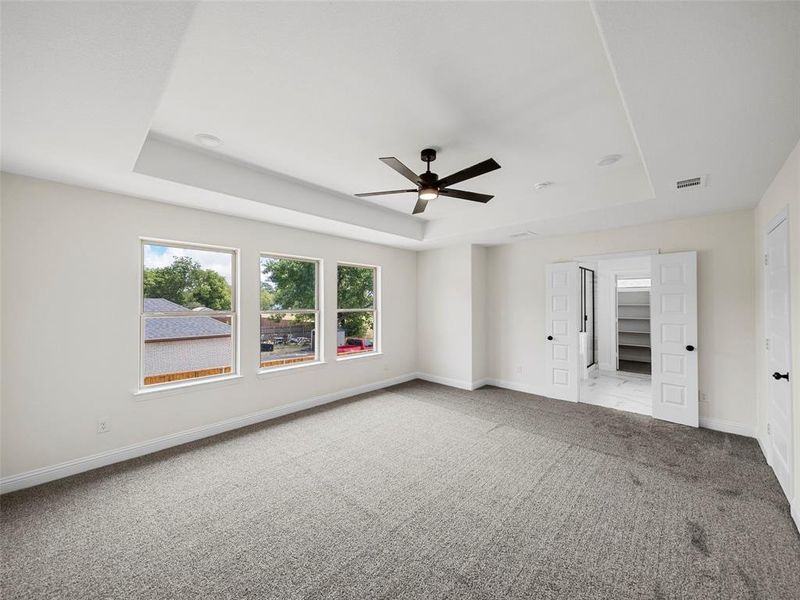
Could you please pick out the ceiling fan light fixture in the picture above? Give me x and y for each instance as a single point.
(428, 193)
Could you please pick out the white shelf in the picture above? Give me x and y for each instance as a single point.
(633, 312)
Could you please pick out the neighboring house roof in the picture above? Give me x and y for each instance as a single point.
(161, 305)
(166, 328)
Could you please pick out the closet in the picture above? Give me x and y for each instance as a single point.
(633, 325)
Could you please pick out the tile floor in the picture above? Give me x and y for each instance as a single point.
(618, 389)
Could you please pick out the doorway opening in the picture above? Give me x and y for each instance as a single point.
(669, 351)
(619, 374)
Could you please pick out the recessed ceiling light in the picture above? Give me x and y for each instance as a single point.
(542, 184)
(608, 160)
(207, 140)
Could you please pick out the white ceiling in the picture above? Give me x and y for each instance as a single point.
(307, 96)
(320, 91)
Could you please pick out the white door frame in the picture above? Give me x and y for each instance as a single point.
(780, 217)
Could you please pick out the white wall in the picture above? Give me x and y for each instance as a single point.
(451, 304)
(480, 324)
(70, 301)
(724, 244)
(784, 191)
(444, 328)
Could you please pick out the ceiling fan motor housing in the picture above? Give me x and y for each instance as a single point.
(428, 179)
(428, 155)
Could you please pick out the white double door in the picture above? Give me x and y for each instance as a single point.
(673, 335)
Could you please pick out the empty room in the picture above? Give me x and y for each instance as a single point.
(420, 300)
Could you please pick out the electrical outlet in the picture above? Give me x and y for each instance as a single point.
(518, 370)
(703, 397)
(104, 425)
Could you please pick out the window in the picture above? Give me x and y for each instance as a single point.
(188, 316)
(633, 283)
(289, 311)
(357, 310)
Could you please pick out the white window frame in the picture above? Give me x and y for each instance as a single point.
(319, 345)
(233, 314)
(375, 310)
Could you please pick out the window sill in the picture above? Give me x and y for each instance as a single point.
(178, 388)
(286, 370)
(359, 356)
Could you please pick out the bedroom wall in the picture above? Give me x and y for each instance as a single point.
(480, 330)
(444, 329)
(726, 297)
(451, 306)
(70, 302)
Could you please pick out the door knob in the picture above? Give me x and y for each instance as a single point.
(549, 338)
(690, 348)
(777, 376)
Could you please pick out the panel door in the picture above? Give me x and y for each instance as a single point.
(673, 335)
(778, 332)
(561, 330)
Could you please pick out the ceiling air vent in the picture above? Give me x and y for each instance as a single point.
(523, 234)
(691, 182)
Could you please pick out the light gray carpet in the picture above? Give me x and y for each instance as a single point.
(418, 491)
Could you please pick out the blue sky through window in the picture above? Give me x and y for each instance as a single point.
(156, 256)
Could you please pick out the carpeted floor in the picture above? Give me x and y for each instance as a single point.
(418, 491)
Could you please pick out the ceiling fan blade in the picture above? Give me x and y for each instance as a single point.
(474, 196)
(481, 168)
(419, 207)
(364, 195)
(400, 168)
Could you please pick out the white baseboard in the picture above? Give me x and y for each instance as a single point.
(764, 449)
(87, 463)
(461, 384)
(728, 426)
(479, 383)
(518, 386)
(794, 505)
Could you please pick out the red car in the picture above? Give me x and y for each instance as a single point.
(355, 345)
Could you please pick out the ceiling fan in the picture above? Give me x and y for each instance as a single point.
(429, 186)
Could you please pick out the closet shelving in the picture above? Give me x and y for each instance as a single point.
(633, 329)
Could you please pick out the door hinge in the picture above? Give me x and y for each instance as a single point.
(766, 259)
(767, 344)
(768, 431)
